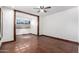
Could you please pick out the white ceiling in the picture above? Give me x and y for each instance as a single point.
(52, 10)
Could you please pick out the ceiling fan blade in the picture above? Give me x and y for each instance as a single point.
(36, 8)
(38, 11)
(41, 7)
(47, 7)
(45, 11)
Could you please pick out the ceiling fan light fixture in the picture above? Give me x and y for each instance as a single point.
(41, 10)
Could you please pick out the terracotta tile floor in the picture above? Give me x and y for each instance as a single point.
(35, 44)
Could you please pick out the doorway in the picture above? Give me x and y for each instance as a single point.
(25, 23)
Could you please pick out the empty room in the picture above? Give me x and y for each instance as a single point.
(39, 29)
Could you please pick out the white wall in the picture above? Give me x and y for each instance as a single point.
(8, 24)
(78, 23)
(0, 22)
(33, 28)
(41, 25)
(22, 31)
(78, 27)
(62, 24)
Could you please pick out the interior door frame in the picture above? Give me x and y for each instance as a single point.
(1, 13)
(28, 14)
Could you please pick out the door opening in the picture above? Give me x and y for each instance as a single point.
(25, 23)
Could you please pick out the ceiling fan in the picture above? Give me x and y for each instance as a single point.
(42, 8)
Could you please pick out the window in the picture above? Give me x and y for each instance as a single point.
(22, 23)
